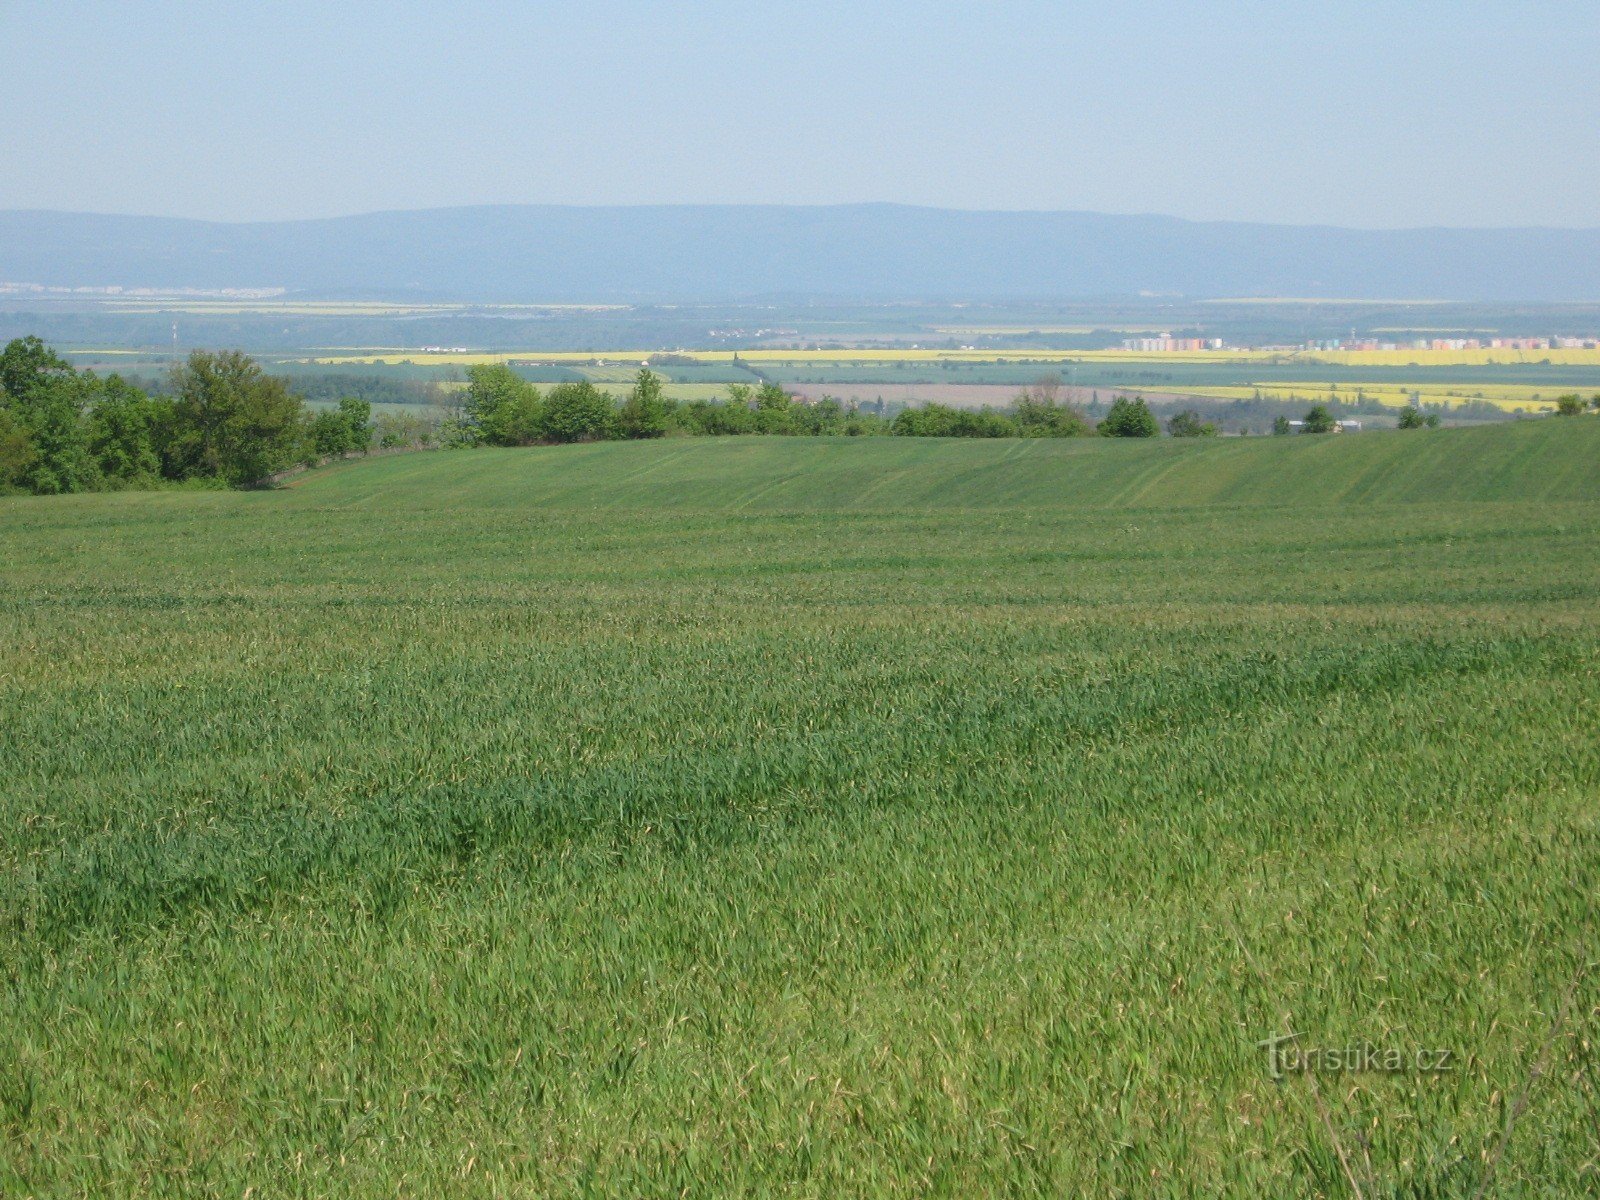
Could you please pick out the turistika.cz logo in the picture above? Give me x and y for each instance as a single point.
(1286, 1057)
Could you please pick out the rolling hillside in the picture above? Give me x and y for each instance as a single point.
(1532, 460)
(885, 818)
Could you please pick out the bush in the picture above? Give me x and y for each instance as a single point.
(939, 420)
(346, 429)
(645, 413)
(710, 419)
(500, 409)
(1129, 419)
(1188, 424)
(1318, 420)
(393, 430)
(578, 412)
(1412, 417)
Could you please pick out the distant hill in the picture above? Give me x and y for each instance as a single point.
(1547, 460)
(869, 251)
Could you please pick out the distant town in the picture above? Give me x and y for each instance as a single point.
(1168, 344)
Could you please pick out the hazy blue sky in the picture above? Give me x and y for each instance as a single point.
(1401, 113)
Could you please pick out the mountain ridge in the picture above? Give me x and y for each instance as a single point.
(873, 251)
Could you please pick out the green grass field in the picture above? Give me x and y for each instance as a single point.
(891, 817)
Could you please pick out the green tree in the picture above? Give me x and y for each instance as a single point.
(1317, 420)
(501, 408)
(125, 429)
(357, 417)
(770, 397)
(773, 409)
(1039, 412)
(231, 421)
(54, 417)
(1410, 418)
(941, 420)
(346, 429)
(1129, 418)
(710, 419)
(645, 412)
(16, 451)
(1280, 425)
(27, 365)
(578, 412)
(731, 417)
(325, 434)
(1570, 405)
(1188, 424)
(46, 398)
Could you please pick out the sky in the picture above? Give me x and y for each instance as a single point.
(1378, 115)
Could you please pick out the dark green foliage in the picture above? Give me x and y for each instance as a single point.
(578, 412)
(829, 417)
(646, 411)
(773, 409)
(126, 429)
(502, 408)
(1412, 417)
(710, 419)
(939, 420)
(1187, 424)
(26, 366)
(1039, 412)
(368, 385)
(46, 398)
(53, 414)
(1280, 425)
(1129, 418)
(232, 421)
(1317, 420)
(1044, 416)
(69, 431)
(346, 429)
(16, 451)
(1570, 405)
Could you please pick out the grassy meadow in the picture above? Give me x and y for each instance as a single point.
(892, 817)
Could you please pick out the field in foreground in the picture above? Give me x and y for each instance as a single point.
(840, 818)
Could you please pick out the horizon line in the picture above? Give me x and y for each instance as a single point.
(766, 205)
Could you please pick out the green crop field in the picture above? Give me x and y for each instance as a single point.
(891, 817)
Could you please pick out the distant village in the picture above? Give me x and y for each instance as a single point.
(1168, 344)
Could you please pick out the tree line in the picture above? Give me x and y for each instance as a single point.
(500, 408)
(223, 422)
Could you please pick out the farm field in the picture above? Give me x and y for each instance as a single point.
(973, 377)
(879, 817)
(1510, 398)
(1379, 358)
